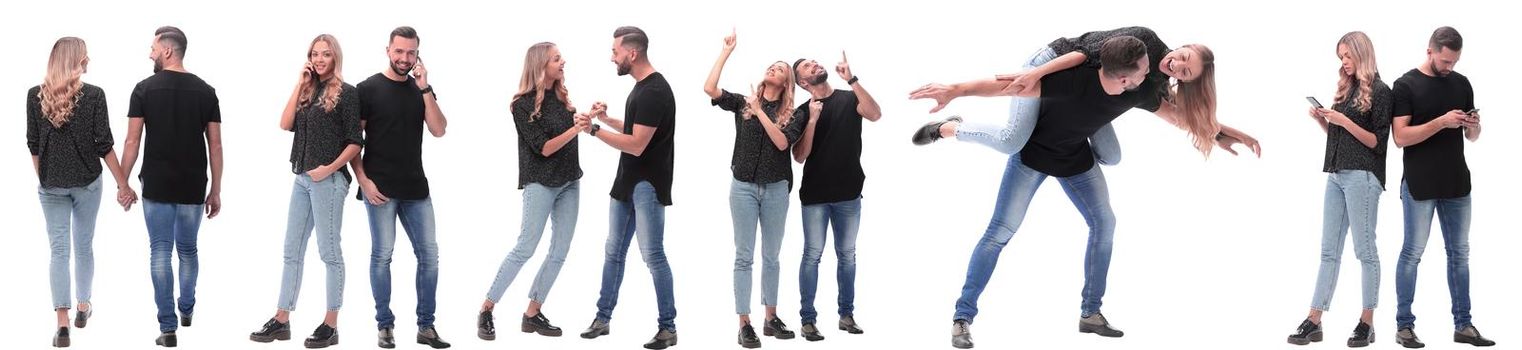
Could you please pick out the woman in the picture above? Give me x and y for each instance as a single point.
(323, 112)
(1193, 96)
(764, 136)
(67, 129)
(549, 173)
(1356, 129)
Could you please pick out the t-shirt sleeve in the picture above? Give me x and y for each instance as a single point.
(366, 100)
(794, 128)
(1400, 99)
(532, 133)
(1469, 91)
(135, 104)
(348, 104)
(33, 117)
(213, 107)
(653, 107)
(101, 128)
(730, 101)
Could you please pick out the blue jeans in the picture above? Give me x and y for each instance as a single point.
(417, 219)
(1010, 138)
(62, 207)
(1089, 193)
(1352, 201)
(646, 217)
(173, 228)
(540, 204)
(845, 217)
(748, 204)
(315, 205)
(1453, 215)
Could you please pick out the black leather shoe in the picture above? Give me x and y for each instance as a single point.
(748, 338)
(1307, 333)
(811, 332)
(1363, 335)
(430, 337)
(81, 318)
(1097, 324)
(848, 324)
(665, 338)
(323, 337)
(386, 339)
(775, 328)
(485, 328)
(961, 337)
(61, 339)
(1470, 335)
(931, 132)
(271, 331)
(597, 329)
(167, 340)
(185, 320)
(540, 324)
(1407, 338)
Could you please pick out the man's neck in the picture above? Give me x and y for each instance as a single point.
(821, 91)
(640, 71)
(1111, 86)
(1426, 69)
(391, 74)
(176, 67)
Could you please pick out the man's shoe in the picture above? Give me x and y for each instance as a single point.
(1097, 324)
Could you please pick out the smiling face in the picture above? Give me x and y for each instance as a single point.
(777, 75)
(554, 69)
(402, 52)
(1183, 64)
(623, 57)
(321, 56)
(809, 72)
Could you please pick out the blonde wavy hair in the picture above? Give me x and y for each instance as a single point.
(61, 86)
(534, 63)
(334, 86)
(1364, 71)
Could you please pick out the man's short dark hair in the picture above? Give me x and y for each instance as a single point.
(633, 38)
(798, 79)
(172, 36)
(1119, 55)
(402, 31)
(1446, 37)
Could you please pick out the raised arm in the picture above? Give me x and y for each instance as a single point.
(711, 87)
(865, 105)
(432, 115)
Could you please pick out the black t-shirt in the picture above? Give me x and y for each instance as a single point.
(175, 107)
(1435, 168)
(1073, 107)
(832, 172)
(650, 104)
(1089, 43)
(393, 112)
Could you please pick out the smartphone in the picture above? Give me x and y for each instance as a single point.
(1314, 102)
(1472, 111)
(312, 72)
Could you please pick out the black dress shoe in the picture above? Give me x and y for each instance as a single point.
(386, 339)
(485, 328)
(1098, 324)
(748, 338)
(848, 324)
(323, 337)
(61, 339)
(1307, 333)
(931, 132)
(167, 340)
(81, 318)
(272, 331)
(665, 338)
(540, 324)
(775, 328)
(1363, 335)
(961, 337)
(811, 332)
(597, 329)
(185, 320)
(1470, 335)
(430, 337)
(1407, 338)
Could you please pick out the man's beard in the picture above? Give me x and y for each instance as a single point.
(158, 66)
(819, 79)
(396, 67)
(1433, 67)
(624, 68)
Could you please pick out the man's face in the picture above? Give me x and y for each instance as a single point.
(156, 54)
(811, 73)
(623, 57)
(1442, 60)
(402, 52)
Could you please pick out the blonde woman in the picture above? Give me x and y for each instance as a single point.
(1189, 103)
(762, 178)
(323, 114)
(67, 129)
(1357, 128)
(549, 173)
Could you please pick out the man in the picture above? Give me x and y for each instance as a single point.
(394, 106)
(832, 182)
(642, 188)
(1434, 113)
(1075, 103)
(184, 124)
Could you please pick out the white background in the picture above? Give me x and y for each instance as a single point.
(1209, 253)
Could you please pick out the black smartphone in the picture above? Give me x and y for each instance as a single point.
(1472, 111)
(1314, 102)
(312, 72)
